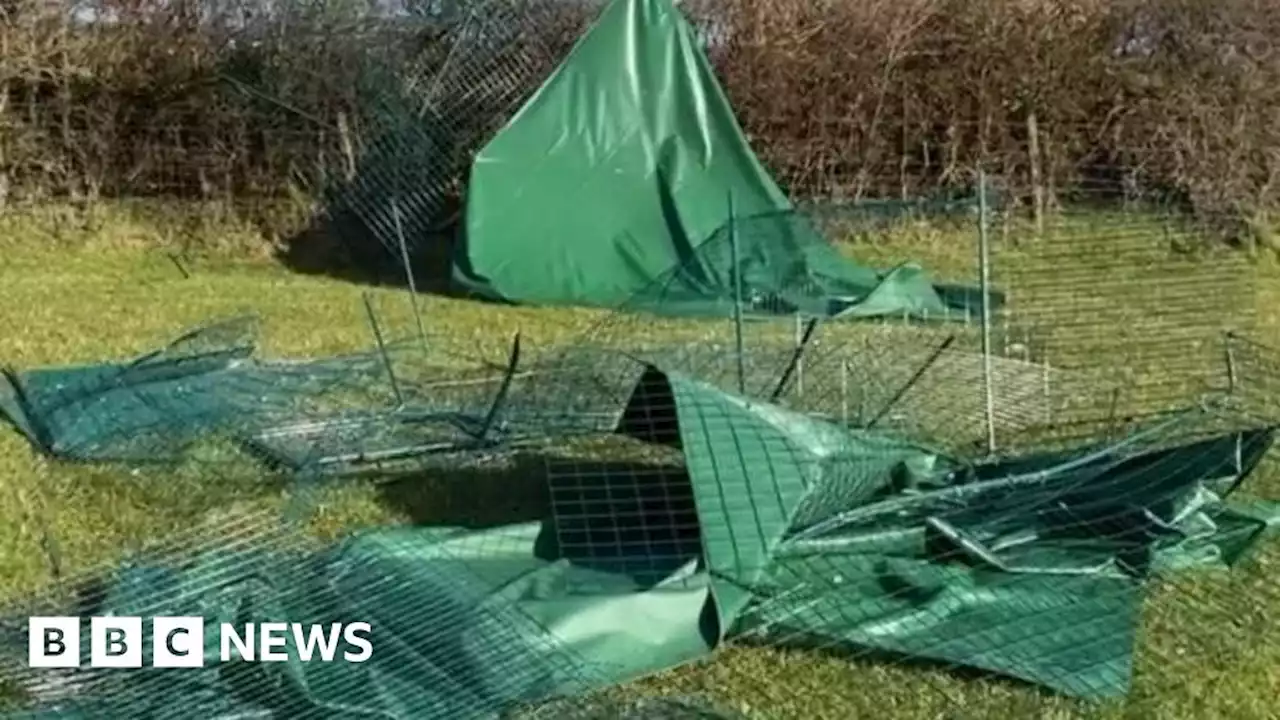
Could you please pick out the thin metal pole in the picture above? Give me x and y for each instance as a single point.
(1113, 412)
(797, 359)
(844, 392)
(799, 344)
(863, 384)
(911, 382)
(737, 299)
(382, 349)
(984, 268)
(1048, 391)
(1231, 362)
(408, 271)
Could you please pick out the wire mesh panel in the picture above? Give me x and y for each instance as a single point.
(866, 545)
(1131, 307)
(429, 91)
(760, 501)
(448, 648)
(399, 400)
(892, 537)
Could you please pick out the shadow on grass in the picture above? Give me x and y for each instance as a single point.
(613, 516)
(344, 248)
(503, 492)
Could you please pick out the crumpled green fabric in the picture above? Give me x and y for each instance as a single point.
(154, 408)
(207, 385)
(1032, 567)
(782, 265)
(805, 534)
(463, 623)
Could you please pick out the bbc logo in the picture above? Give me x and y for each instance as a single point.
(115, 642)
(180, 642)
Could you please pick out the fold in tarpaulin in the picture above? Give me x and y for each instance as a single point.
(817, 536)
(779, 263)
(463, 624)
(621, 169)
(780, 528)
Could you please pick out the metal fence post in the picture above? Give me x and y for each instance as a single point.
(984, 268)
(408, 272)
(737, 299)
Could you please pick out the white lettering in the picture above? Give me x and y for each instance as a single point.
(243, 645)
(328, 644)
(179, 642)
(272, 636)
(352, 635)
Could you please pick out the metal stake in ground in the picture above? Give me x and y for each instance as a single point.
(737, 299)
(911, 382)
(984, 269)
(408, 272)
(382, 349)
(797, 359)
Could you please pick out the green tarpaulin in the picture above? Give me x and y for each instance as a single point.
(325, 414)
(779, 263)
(781, 528)
(620, 171)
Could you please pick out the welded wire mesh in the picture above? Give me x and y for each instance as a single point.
(1099, 420)
(425, 101)
(1133, 307)
(207, 388)
(254, 566)
(1063, 546)
(666, 459)
(773, 488)
(814, 516)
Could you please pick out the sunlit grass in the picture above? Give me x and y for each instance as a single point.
(112, 290)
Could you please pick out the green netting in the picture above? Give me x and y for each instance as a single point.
(626, 164)
(157, 405)
(392, 403)
(729, 519)
(780, 263)
(620, 164)
(863, 539)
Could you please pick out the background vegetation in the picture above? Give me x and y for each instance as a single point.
(132, 98)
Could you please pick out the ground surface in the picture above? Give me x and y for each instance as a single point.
(1210, 649)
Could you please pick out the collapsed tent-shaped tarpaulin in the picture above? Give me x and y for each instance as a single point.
(779, 528)
(622, 167)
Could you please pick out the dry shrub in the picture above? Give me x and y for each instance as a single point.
(886, 97)
(874, 97)
(1200, 114)
(184, 99)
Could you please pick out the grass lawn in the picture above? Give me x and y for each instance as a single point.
(1210, 645)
